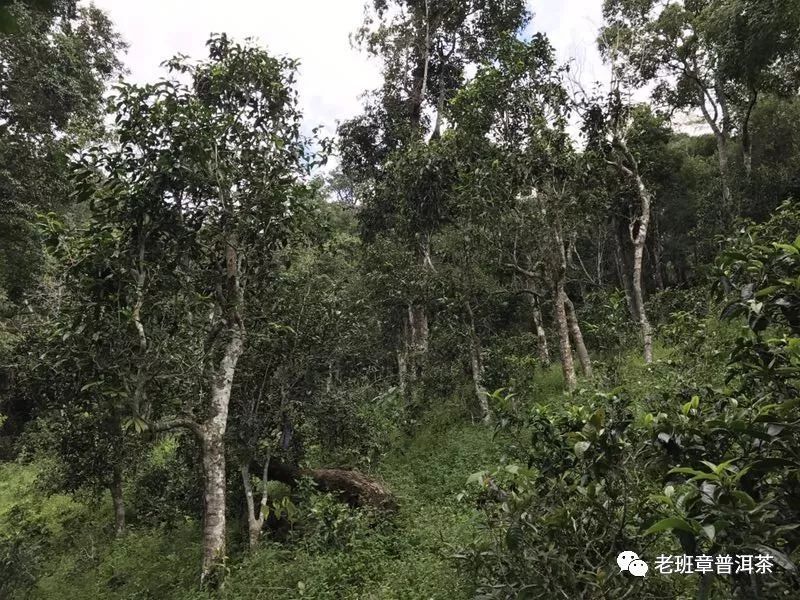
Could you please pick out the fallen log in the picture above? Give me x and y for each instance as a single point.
(354, 487)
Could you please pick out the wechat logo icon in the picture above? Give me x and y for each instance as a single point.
(630, 562)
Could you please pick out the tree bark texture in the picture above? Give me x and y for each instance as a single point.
(352, 486)
(564, 347)
(212, 441)
(119, 503)
(476, 366)
(541, 337)
(577, 337)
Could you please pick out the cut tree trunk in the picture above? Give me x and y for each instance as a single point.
(577, 337)
(354, 487)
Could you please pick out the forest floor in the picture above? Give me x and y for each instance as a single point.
(410, 556)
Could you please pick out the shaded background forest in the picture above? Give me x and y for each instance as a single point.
(513, 328)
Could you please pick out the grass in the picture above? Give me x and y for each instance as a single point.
(407, 557)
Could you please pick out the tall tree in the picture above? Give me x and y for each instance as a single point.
(54, 67)
(425, 46)
(210, 167)
(516, 109)
(714, 56)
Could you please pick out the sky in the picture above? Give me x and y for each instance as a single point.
(332, 75)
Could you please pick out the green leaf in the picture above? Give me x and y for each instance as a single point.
(580, 448)
(710, 532)
(669, 524)
(788, 248)
(782, 559)
(598, 418)
(476, 477)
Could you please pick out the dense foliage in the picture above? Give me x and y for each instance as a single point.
(517, 328)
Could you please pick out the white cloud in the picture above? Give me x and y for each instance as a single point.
(572, 27)
(332, 75)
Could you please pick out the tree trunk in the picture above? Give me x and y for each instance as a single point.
(476, 364)
(420, 83)
(567, 364)
(656, 254)
(644, 323)
(119, 502)
(639, 238)
(747, 140)
(418, 327)
(638, 233)
(577, 337)
(477, 376)
(213, 452)
(254, 524)
(417, 348)
(719, 123)
(728, 211)
(353, 486)
(213, 455)
(747, 157)
(541, 338)
(623, 271)
(255, 520)
(402, 372)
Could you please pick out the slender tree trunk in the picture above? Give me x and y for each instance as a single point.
(719, 123)
(477, 379)
(420, 83)
(557, 273)
(622, 270)
(655, 257)
(119, 502)
(567, 364)
(402, 372)
(476, 364)
(639, 238)
(417, 328)
(417, 345)
(747, 156)
(541, 337)
(747, 140)
(418, 321)
(254, 524)
(638, 234)
(255, 513)
(577, 337)
(644, 323)
(728, 210)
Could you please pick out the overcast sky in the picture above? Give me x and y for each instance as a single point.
(332, 75)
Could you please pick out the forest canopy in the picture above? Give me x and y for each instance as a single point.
(500, 329)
